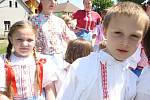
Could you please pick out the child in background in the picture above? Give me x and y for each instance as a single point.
(76, 49)
(71, 23)
(105, 75)
(26, 73)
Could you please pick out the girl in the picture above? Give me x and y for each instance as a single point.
(28, 75)
(105, 75)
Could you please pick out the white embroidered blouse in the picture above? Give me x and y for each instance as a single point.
(84, 80)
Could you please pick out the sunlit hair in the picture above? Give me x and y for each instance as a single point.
(13, 30)
(127, 9)
(76, 49)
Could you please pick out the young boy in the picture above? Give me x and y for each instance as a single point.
(105, 75)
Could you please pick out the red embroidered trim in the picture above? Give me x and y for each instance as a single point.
(10, 75)
(104, 81)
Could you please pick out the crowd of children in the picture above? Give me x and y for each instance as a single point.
(47, 58)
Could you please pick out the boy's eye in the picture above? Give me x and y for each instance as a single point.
(117, 33)
(135, 36)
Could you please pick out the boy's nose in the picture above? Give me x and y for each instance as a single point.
(125, 41)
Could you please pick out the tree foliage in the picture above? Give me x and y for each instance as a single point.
(99, 5)
(136, 1)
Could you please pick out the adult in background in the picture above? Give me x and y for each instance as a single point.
(53, 33)
(86, 20)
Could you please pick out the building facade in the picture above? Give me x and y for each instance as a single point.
(10, 12)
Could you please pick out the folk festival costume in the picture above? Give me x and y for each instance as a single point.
(53, 35)
(100, 77)
(21, 72)
(86, 22)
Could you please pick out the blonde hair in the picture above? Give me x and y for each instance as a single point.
(76, 49)
(127, 9)
(16, 26)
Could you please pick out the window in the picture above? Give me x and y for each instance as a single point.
(7, 25)
(16, 5)
(10, 3)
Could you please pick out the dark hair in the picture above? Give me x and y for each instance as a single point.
(146, 43)
(144, 4)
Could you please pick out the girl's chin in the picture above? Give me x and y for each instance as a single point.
(22, 54)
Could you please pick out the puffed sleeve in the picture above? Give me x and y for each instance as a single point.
(49, 72)
(2, 75)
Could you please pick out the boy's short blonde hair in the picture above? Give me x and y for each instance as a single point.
(128, 9)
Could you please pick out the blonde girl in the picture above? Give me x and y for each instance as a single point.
(28, 75)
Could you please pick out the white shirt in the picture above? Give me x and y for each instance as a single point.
(24, 69)
(84, 82)
(143, 87)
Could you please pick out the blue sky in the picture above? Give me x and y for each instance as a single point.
(78, 3)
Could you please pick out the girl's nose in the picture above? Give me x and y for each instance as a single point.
(25, 43)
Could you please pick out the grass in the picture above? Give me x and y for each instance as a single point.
(3, 45)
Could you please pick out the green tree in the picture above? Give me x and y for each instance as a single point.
(99, 5)
(136, 1)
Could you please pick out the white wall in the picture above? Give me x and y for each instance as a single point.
(11, 14)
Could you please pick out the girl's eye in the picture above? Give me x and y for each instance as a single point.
(20, 40)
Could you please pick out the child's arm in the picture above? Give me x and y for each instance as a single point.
(3, 97)
(50, 91)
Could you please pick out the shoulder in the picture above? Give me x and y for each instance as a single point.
(48, 59)
(58, 19)
(83, 65)
(78, 12)
(2, 57)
